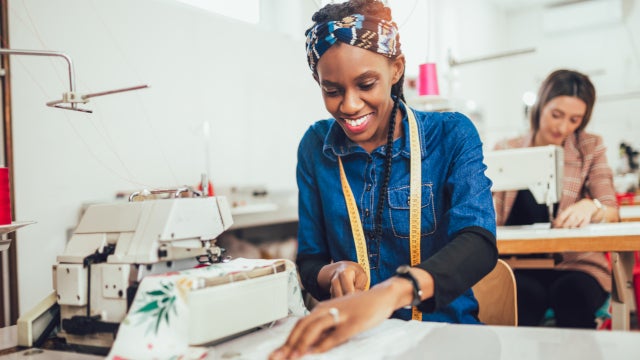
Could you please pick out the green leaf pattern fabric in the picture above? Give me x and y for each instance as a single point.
(156, 325)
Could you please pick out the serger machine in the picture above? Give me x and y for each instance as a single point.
(538, 169)
(115, 245)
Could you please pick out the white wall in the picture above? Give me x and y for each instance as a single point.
(253, 87)
(609, 53)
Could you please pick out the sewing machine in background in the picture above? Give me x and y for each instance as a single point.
(538, 169)
(113, 247)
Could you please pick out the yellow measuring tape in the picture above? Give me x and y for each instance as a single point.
(414, 208)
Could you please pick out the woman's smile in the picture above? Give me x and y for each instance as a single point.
(357, 125)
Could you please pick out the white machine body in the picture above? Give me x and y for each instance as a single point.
(538, 169)
(115, 245)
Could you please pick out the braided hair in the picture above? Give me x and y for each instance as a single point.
(334, 12)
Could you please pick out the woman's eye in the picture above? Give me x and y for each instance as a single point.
(367, 86)
(331, 92)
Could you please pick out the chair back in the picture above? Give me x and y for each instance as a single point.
(497, 296)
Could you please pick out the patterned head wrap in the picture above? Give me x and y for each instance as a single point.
(367, 32)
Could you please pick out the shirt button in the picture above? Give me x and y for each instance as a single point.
(366, 212)
(369, 187)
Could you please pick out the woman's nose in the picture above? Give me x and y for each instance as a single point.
(351, 103)
(563, 127)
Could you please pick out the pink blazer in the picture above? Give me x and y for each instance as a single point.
(586, 175)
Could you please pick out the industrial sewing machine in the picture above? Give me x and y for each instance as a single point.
(538, 169)
(114, 247)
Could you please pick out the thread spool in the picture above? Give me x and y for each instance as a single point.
(428, 80)
(5, 198)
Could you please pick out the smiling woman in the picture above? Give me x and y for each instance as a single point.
(395, 212)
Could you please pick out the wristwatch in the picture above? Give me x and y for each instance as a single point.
(600, 208)
(403, 272)
(597, 203)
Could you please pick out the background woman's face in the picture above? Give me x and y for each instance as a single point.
(559, 118)
(356, 88)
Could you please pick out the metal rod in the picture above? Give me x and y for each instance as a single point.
(72, 81)
(114, 91)
(71, 97)
(453, 62)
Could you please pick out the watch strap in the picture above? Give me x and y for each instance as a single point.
(417, 292)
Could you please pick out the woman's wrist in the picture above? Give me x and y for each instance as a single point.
(400, 291)
(600, 212)
(403, 289)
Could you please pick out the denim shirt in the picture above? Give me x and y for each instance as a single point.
(455, 195)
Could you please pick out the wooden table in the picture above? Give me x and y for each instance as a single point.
(630, 213)
(621, 239)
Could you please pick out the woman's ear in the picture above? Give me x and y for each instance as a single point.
(398, 68)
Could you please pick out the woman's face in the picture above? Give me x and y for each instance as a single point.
(559, 118)
(356, 87)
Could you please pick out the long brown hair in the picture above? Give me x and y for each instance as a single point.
(564, 83)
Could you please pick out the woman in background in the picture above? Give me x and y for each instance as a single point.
(580, 283)
(361, 159)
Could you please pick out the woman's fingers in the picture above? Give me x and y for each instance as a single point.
(334, 321)
(312, 331)
(571, 219)
(562, 219)
(339, 336)
(347, 280)
(336, 287)
(343, 282)
(361, 281)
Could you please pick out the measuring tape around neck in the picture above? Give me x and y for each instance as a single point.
(414, 208)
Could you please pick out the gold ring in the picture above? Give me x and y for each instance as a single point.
(336, 315)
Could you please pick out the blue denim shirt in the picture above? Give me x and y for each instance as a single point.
(455, 195)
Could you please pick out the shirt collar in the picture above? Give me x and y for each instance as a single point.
(336, 143)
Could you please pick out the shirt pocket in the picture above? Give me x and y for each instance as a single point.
(399, 210)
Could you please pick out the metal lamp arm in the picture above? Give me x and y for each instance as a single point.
(72, 81)
(70, 97)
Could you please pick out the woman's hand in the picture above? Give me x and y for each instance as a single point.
(326, 328)
(334, 321)
(576, 215)
(342, 278)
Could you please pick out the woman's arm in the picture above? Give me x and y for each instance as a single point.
(599, 185)
(458, 266)
(334, 321)
(313, 252)
(471, 252)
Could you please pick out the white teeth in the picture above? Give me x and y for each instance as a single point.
(356, 122)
